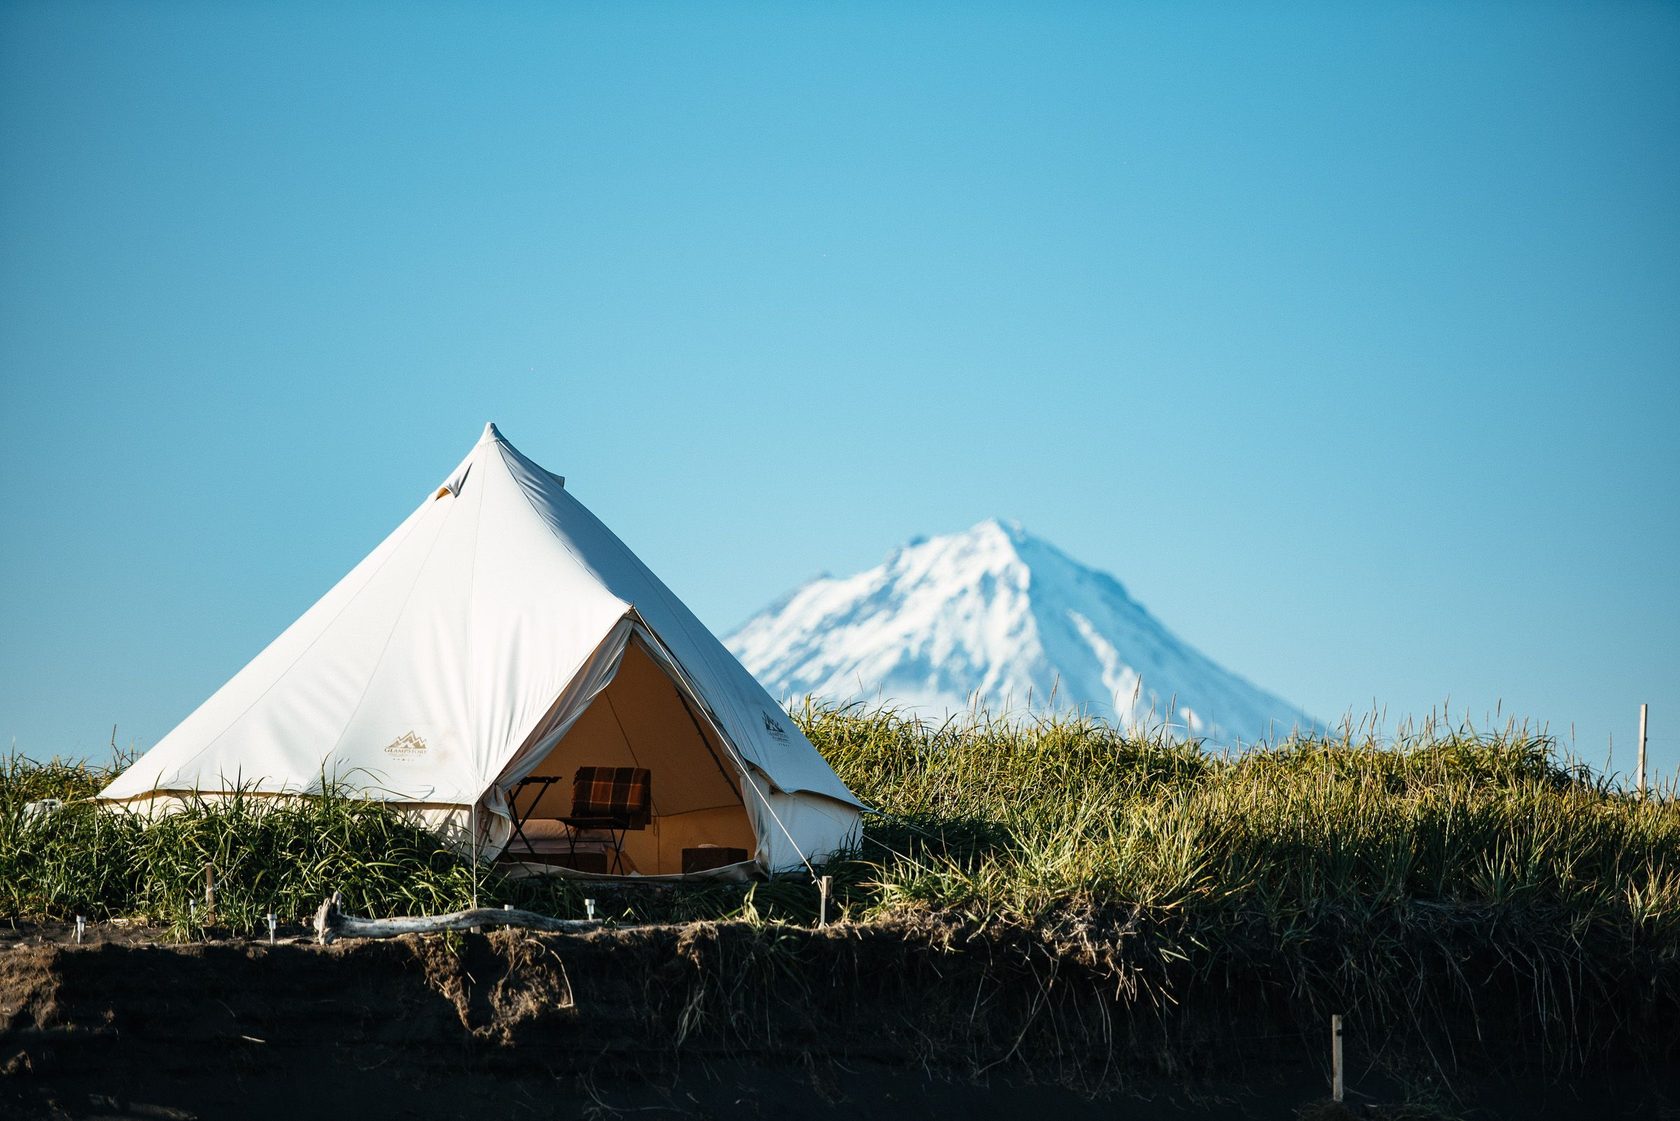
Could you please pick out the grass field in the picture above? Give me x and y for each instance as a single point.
(1412, 879)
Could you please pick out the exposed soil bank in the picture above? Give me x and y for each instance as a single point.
(717, 1020)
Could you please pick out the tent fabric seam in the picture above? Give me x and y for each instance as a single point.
(396, 624)
(503, 449)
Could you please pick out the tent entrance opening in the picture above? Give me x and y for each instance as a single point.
(640, 720)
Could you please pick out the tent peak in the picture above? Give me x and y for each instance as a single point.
(492, 433)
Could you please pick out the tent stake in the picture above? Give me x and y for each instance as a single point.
(472, 815)
(1335, 1058)
(822, 906)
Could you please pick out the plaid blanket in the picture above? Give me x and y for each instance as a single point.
(618, 792)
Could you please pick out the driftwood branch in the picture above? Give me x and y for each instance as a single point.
(332, 923)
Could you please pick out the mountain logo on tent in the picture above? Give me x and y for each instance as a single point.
(774, 727)
(409, 745)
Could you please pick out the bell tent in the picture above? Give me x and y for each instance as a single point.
(499, 642)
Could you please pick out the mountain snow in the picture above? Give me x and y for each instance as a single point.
(998, 619)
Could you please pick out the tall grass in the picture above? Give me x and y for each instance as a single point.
(1011, 818)
(264, 855)
(982, 817)
(1443, 876)
(1446, 888)
(1388, 875)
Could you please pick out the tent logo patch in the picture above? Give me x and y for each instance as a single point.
(409, 745)
(774, 727)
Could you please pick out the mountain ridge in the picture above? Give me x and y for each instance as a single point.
(997, 618)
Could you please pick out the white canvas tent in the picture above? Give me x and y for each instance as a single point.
(501, 632)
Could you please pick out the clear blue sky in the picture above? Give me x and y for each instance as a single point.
(1347, 336)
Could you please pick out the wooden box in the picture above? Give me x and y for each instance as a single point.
(710, 856)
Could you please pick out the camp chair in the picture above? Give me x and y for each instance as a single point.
(613, 800)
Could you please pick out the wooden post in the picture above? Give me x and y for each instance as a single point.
(472, 819)
(1644, 712)
(822, 905)
(1335, 1058)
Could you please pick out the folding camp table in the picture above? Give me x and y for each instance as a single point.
(519, 819)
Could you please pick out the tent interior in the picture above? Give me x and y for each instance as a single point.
(641, 719)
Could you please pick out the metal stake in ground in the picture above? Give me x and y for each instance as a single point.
(1335, 1058)
(822, 902)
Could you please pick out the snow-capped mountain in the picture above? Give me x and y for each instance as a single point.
(998, 618)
